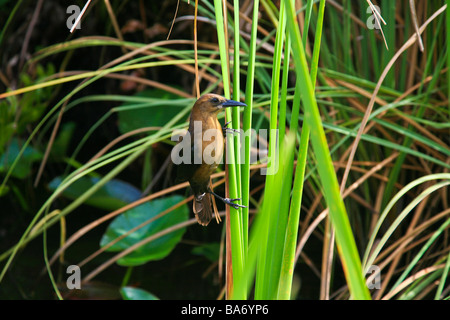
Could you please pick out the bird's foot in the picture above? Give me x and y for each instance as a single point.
(230, 202)
(228, 130)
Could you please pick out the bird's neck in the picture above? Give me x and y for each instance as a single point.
(207, 122)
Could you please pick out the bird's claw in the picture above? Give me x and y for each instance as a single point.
(227, 130)
(236, 206)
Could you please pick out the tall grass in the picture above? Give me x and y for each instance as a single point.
(271, 233)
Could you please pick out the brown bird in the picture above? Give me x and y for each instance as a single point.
(206, 147)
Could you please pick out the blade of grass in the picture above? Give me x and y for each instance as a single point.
(236, 112)
(430, 241)
(10, 18)
(447, 14)
(287, 269)
(344, 236)
(247, 124)
(237, 255)
(407, 142)
(444, 276)
(368, 261)
(266, 277)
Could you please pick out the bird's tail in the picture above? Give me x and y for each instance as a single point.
(203, 208)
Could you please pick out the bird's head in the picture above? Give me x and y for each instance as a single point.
(213, 103)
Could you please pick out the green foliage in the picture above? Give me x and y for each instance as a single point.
(111, 196)
(156, 112)
(131, 293)
(157, 249)
(17, 113)
(63, 140)
(7, 125)
(4, 2)
(208, 250)
(23, 167)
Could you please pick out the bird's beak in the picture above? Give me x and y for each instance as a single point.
(232, 103)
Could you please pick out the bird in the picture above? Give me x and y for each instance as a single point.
(206, 147)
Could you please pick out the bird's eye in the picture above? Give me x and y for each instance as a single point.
(214, 100)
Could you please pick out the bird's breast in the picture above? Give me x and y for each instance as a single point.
(212, 144)
(207, 141)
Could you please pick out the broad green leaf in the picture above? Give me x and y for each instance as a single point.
(113, 195)
(23, 166)
(156, 249)
(62, 142)
(131, 293)
(209, 250)
(3, 190)
(159, 110)
(3, 2)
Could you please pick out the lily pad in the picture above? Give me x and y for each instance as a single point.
(111, 196)
(156, 249)
(160, 109)
(131, 293)
(208, 250)
(23, 167)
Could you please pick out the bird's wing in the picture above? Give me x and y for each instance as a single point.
(185, 171)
